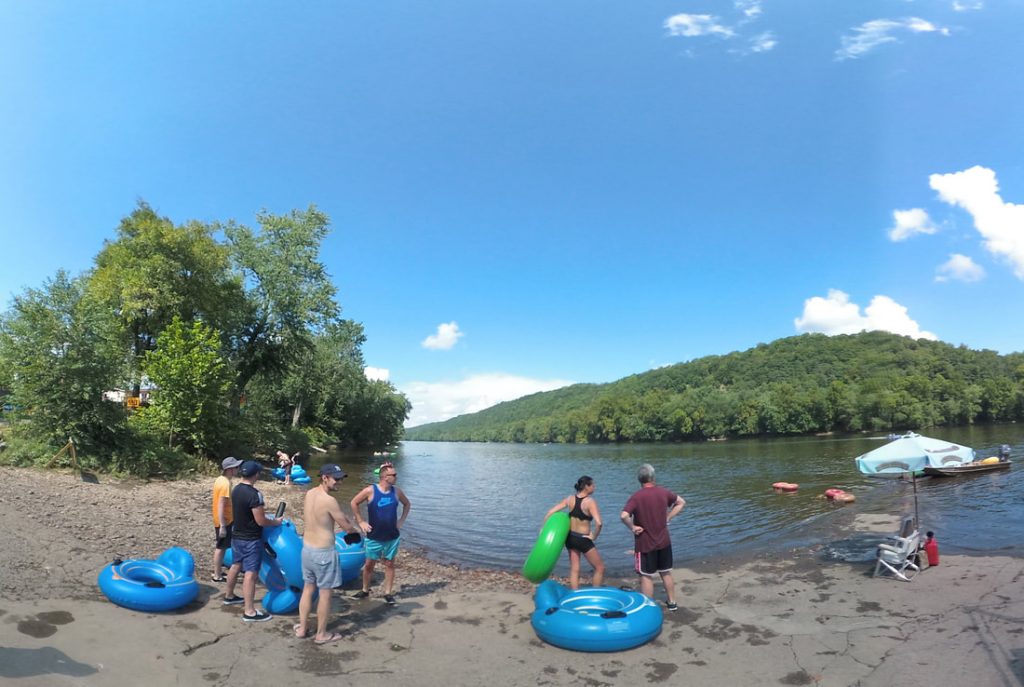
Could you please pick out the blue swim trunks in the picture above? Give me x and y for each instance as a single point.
(248, 552)
(377, 550)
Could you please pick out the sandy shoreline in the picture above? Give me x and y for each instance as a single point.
(785, 619)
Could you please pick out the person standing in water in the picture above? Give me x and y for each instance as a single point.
(584, 526)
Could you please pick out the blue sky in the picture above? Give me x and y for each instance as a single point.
(527, 194)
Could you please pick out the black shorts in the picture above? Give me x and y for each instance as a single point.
(577, 542)
(654, 562)
(223, 543)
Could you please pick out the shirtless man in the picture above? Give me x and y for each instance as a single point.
(321, 570)
(285, 462)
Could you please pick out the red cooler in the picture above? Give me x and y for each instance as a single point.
(931, 548)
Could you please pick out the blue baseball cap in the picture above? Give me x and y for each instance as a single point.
(332, 470)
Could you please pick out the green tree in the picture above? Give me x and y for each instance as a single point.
(154, 272)
(61, 352)
(191, 378)
(288, 296)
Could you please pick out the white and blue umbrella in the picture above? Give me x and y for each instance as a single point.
(913, 453)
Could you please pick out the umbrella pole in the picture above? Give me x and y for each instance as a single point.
(917, 518)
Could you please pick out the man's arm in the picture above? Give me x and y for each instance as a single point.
(223, 503)
(340, 518)
(261, 518)
(404, 500)
(677, 507)
(363, 495)
(627, 520)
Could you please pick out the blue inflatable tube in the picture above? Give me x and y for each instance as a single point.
(281, 565)
(351, 555)
(280, 597)
(281, 569)
(162, 585)
(594, 618)
(298, 474)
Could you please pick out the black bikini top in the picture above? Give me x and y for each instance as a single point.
(577, 512)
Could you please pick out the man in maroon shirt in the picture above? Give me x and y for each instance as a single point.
(647, 514)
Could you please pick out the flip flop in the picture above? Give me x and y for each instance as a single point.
(333, 637)
(296, 627)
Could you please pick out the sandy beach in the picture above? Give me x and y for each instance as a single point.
(790, 619)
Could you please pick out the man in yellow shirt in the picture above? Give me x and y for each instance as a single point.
(222, 515)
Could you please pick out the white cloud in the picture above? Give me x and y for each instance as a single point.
(1000, 224)
(748, 12)
(763, 42)
(909, 223)
(967, 6)
(871, 34)
(690, 25)
(961, 268)
(751, 9)
(837, 315)
(437, 401)
(447, 336)
(377, 374)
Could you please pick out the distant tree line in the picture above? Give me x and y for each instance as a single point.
(235, 333)
(798, 385)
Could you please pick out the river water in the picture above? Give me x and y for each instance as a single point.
(481, 505)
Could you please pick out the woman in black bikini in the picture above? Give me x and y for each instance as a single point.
(582, 512)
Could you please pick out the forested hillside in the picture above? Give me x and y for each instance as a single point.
(798, 385)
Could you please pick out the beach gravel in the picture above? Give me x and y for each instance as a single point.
(788, 618)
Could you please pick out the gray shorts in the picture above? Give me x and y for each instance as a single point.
(321, 567)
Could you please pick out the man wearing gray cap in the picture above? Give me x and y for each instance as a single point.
(321, 570)
(222, 516)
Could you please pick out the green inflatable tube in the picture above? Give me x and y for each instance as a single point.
(548, 548)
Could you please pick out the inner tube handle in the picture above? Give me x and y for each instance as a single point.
(551, 610)
(613, 614)
(280, 510)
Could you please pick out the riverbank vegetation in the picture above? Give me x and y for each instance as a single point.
(186, 342)
(798, 385)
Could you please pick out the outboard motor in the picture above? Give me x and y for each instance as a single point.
(1004, 452)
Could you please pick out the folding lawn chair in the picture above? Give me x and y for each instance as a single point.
(898, 556)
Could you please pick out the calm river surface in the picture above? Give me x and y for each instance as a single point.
(481, 505)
